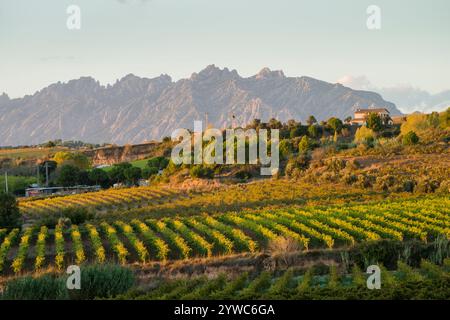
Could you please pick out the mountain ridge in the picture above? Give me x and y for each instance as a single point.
(137, 109)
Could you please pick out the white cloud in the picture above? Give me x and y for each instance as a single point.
(406, 97)
(356, 82)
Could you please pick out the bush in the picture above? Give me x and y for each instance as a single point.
(427, 185)
(297, 164)
(46, 287)
(149, 171)
(103, 281)
(285, 148)
(305, 145)
(350, 179)
(364, 134)
(9, 211)
(385, 252)
(243, 174)
(97, 281)
(202, 172)
(365, 181)
(410, 138)
(409, 185)
(314, 131)
(77, 215)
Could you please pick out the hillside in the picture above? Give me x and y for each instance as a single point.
(134, 109)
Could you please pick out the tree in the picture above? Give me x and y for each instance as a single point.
(158, 162)
(274, 124)
(348, 119)
(314, 131)
(149, 171)
(69, 175)
(132, 175)
(291, 123)
(99, 177)
(296, 131)
(50, 144)
(117, 172)
(364, 134)
(304, 145)
(410, 138)
(51, 167)
(374, 122)
(311, 120)
(285, 149)
(335, 124)
(9, 211)
(76, 159)
(256, 123)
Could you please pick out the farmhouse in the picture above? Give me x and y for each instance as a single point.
(361, 115)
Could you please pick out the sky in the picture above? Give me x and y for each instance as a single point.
(324, 39)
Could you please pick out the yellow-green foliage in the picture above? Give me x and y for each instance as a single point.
(424, 123)
(74, 158)
(363, 133)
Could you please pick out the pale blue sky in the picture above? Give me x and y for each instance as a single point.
(322, 39)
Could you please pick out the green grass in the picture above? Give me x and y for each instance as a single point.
(29, 153)
(16, 182)
(137, 163)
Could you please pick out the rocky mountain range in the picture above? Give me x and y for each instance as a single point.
(136, 109)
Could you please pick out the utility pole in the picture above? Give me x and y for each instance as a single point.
(46, 173)
(37, 174)
(6, 182)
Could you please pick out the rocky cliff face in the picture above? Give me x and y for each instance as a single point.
(127, 153)
(135, 109)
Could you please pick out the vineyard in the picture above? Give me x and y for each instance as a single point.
(107, 199)
(145, 240)
(428, 281)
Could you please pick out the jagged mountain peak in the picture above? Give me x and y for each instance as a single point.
(136, 109)
(267, 73)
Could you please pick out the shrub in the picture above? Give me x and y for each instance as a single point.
(409, 185)
(200, 171)
(77, 215)
(304, 145)
(364, 133)
(364, 181)
(410, 138)
(385, 182)
(336, 164)
(243, 174)
(46, 287)
(9, 211)
(285, 149)
(297, 164)
(149, 171)
(103, 281)
(97, 281)
(444, 186)
(350, 179)
(427, 185)
(314, 131)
